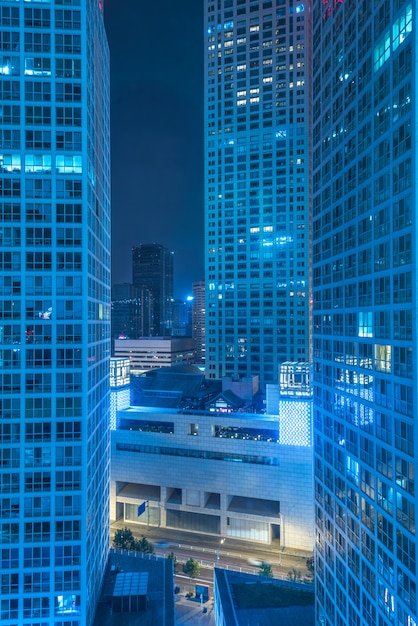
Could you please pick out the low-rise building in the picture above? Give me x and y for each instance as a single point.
(154, 352)
(242, 599)
(230, 474)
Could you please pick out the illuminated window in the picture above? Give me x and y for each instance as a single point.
(365, 326)
(383, 357)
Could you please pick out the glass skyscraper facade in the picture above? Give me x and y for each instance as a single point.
(364, 300)
(54, 310)
(257, 186)
(153, 279)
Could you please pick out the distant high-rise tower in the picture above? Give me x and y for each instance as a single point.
(198, 321)
(365, 301)
(54, 311)
(257, 187)
(152, 275)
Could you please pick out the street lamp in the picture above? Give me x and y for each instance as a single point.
(218, 550)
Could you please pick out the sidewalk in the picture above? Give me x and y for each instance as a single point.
(189, 612)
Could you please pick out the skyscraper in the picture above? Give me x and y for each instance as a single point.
(152, 275)
(198, 321)
(257, 189)
(54, 310)
(365, 299)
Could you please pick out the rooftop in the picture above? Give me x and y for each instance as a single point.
(137, 575)
(248, 599)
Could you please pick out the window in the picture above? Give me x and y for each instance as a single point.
(38, 66)
(69, 213)
(9, 533)
(9, 65)
(68, 164)
(68, 116)
(9, 16)
(36, 557)
(37, 481)
(9, 90)
(67, 580)
(35, 607)
(35, 383)
(69, 357)
(36, 582)
(10, 114)
(67, 19)
(38, 188)
(69, 189)
(38, 115)
(67, 44)
(37, 18)
(9, 139)
(37, 506)
(67, 555)
(68, 431)
(10, 261)
(67, 530)
(39, 163)
(69, 309)
(68, 140)
(9, 484)
(69, 285)
(68, 68)
(9, 558)
(38, 431)
(38, 91)
(68, 261)
(38, 407)
(38, 139)
(69, 237)
(68, 92)
(37, 42)
(38, 261)
(37, 211)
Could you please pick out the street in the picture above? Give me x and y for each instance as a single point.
(211, 552)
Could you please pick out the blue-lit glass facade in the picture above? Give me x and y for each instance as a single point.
(54, 310)
(364, 311)
(257, 186)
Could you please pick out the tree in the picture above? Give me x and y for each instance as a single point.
(173, 558)
(265, 570)
(143, 545)
(294, 575)
(124, 539)
(191, 568)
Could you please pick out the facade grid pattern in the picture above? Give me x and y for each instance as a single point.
(54, 310)
(364, 292)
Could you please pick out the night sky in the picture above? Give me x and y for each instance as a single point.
(156, 50)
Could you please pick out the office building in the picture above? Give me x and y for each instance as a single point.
(181, 318)
(154, 352)
(130, 311)
(198, 321)
(257, 187)
(54, 311)
(152, 274)
(237, 474)
(365, 299)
